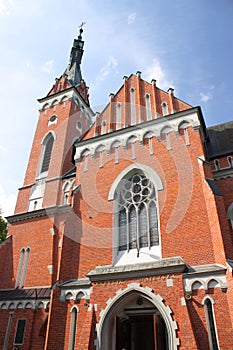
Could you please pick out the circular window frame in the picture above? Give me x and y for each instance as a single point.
(52, 119)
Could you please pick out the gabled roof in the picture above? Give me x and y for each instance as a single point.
(144, 94)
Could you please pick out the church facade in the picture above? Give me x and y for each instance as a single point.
(122, 231)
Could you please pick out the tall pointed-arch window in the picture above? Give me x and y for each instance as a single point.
(211, 325)
(46, 153)
(22, 267)
(137, 213)
(73, 325)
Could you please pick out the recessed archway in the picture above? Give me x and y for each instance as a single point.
(136, 318)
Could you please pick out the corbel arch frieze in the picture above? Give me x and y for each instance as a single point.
(75, 294)
(141, 132)
(205, 282)
(24, 304)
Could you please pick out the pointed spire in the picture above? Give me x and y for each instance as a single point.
(73, 70)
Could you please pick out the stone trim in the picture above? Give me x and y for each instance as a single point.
(71, 94)
(154, 177)
(24, 304)
(50, 211)
(156, 299)
(163, 266)
(200, 277)
(191, 116)
(26, 186)
(223, 173)
(76, 289)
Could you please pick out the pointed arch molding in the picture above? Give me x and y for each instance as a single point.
(46, 135)
(155, 299)
(147, 170)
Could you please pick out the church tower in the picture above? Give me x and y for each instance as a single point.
(65, 116)
(35, 234)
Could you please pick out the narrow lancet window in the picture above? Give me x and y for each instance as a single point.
(212, 332)
(148, 107)
(46, 154)
(118, 116)
(73, 324)
(22, 267)
(164, 108)
(133, 107)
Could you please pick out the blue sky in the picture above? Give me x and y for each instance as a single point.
(184, 44)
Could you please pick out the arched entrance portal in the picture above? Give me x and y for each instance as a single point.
(139, 327)
(136, 319)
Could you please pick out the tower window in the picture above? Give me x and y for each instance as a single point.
(79, 125)
(137, 214)
(67, 187)
(35, 205)
(66, 198)
(52, 120)
(47, 151)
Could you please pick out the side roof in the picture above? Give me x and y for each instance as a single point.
(220, 140)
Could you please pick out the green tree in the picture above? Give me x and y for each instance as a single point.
(3, 228)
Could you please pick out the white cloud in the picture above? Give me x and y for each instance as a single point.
(5, 7)
(106, 69)
(7, 202)
(3, 149)
(155, 71)
(131, 17)
(48, 66)
(109, 67)
(28, 64)
(205, 97)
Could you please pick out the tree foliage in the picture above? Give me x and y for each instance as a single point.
(3, 228)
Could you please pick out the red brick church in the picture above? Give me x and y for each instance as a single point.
(122, 232)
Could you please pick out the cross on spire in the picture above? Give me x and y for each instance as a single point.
(81, 30)
(81, 25)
